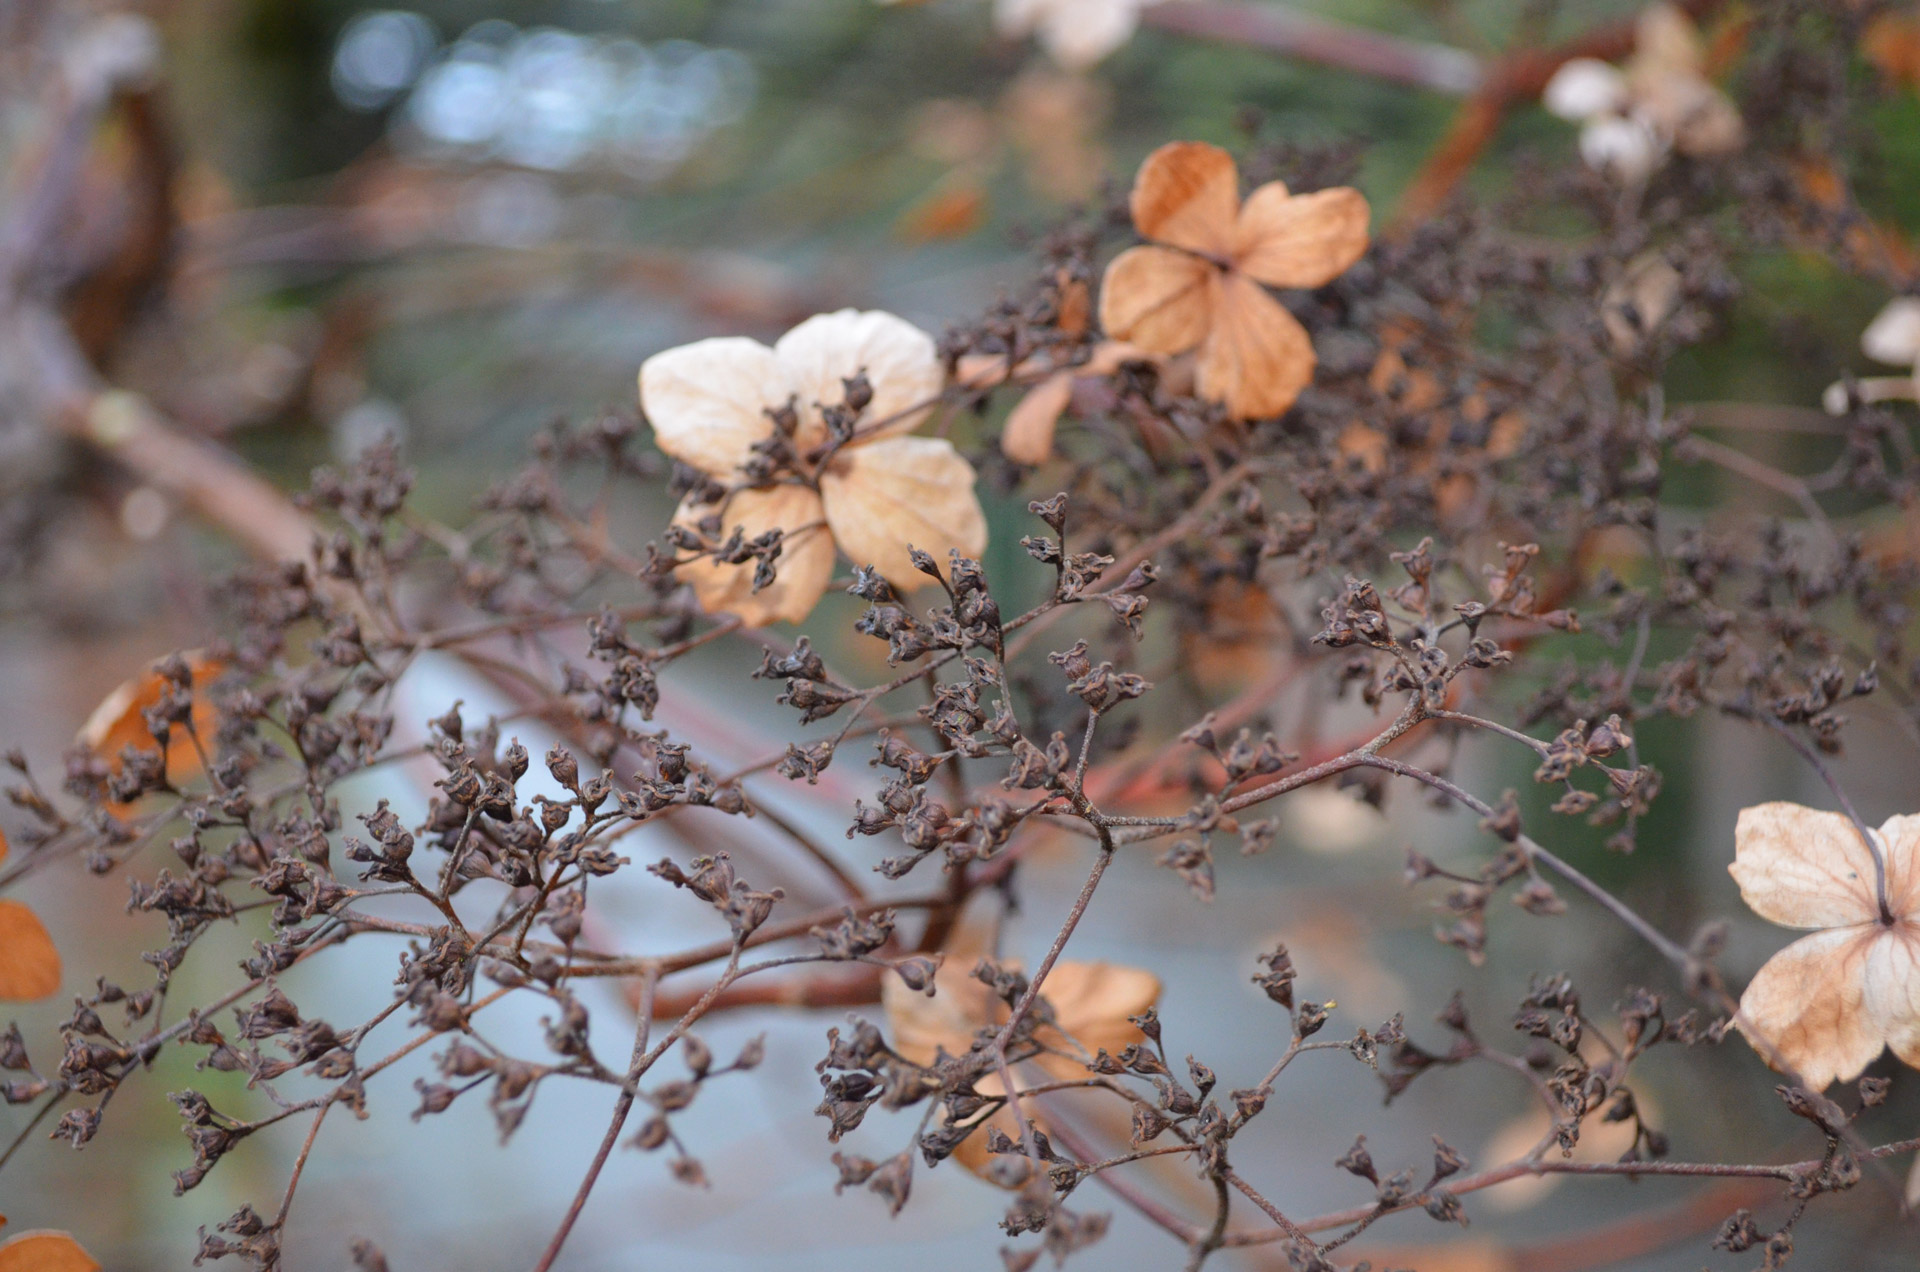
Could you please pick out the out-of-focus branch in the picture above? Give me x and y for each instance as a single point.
(1286, 31)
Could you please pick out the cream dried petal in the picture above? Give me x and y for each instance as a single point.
(708, 401)
(1300, 240)
(1900, 844)
(1803, 868)
(1079, 34)
(1158, 299)
(1584, 87)
(1187, 194)
(882, 497)
(899, 360)
(802, 570)
(1664, 37)
(1809, 1004)
(1257, 357)
(1027, 437)
(1893, 988)
(1893, 337)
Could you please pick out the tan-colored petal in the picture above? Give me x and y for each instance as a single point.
(1258, 357)
(1802, 868)
(1893, 988)
(1028, 435)
(802, 570)
(1187, 194)
(1300, 240)
(1665, 38)
(1158, 299)
(44, 1251)
(708, 401)
(882, 497)
(1091, 1002)
(1809, 1003)
(29, 964)
(1900, 842)
(899, 360)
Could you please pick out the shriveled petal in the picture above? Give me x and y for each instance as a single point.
(708, 401)
(29, 964)
(1158, 299)
(1028, 435)
(1893, 988)
(1258, 357)
(885, 496)
(1091, 1002)
(44, 1251)
(1809, 1003)
(1300, 240)
(1893, 337)
(1187, 194)
(899, 360)
(1803, 868)
(802, 570)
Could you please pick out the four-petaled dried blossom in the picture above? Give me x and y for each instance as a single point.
(1830, 1003)
(1893, 337)
(1198, 283)
(1661, 101)
(718, 404)
(1075, 33)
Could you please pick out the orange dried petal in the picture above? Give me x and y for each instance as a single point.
(1157, 298)
(1257, 357)
(1187, 194)
(29, 963)
(1300, 240)
(1028, 435)
(119, 720)
(44, 1251)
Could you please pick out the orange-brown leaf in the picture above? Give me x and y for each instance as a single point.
(44, 1251)
(29, 964)
(1188, 194)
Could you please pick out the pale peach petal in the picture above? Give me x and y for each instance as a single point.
(1027, 437)
(1091, 1002)
(1187, 194)
(1157, 298)
(1900, 841)
(29, 964)
(1300, 240)
(44, 1251)
(1665, 38)
(882, 497)
(1258, 357)
(802, 570)
(708, 401)
(1803, 868)
(1893, 988)
(1809, 1002)
(899, 360)
(1078, 34)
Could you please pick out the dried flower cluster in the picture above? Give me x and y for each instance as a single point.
(1430, 502)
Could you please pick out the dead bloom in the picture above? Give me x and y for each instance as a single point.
(1198, 284)
(29, 964)
(1830, 1002)
(723, 404)
(44, 1251)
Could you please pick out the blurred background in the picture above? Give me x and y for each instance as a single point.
(451, 223)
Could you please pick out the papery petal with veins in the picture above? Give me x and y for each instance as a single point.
(707, 401)
(802, 570)
(1893, 989)
(1187, 194)
(1300, 240)
(1803, 868)
(1258, 357)
(882, 497)
(898, 359)
(1809, 1003)
(1157, 298)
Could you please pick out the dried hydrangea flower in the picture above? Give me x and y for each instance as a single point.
(1830, 1003)
(1893, 337)
(1661, 101)
(1198, 283)
(875, 495)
